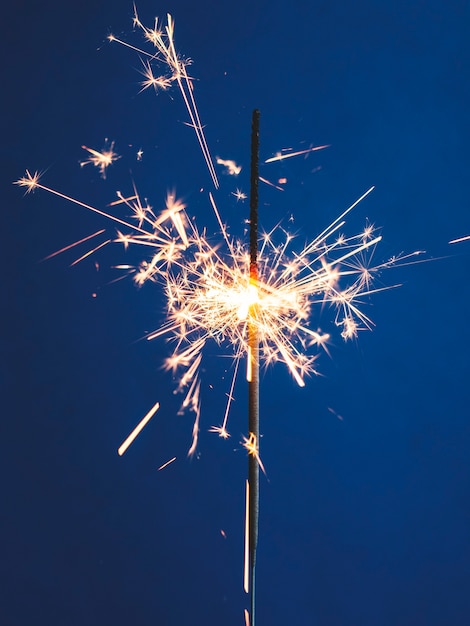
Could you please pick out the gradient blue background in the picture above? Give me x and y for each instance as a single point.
(365, 521)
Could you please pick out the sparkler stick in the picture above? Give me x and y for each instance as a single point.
(253, 356)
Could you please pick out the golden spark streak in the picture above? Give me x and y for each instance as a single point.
(87, 254)
(222, 430)
(145, 420)
(166, 464)
(291, 364)
(281, 157)
(195, 407)
(167, 55)
(123, 200)
(337, 223)
(268, 182)
(249, 369)
(466, 238)
(31, 182)
(72, 245)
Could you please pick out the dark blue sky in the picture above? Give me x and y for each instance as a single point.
(364, 521)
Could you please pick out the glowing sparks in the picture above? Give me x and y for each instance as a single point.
(239, 195)
(232, 168)
(102, 160)
(166, 464)
(211, 298)
(212, 295)
(251, 446)
(460, 239)
(157, 82)
(163, 53)
(287, 155)
(333, 412)
(268, 182)
(29, 181)
(74, 244)
(140, 426)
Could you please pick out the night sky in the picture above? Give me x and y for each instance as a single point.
(365, 520)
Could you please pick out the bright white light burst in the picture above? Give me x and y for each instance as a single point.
(209, 293)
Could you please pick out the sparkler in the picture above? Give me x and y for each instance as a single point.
(255, 301)
(253, 370)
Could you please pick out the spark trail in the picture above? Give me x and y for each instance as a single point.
(287, 155)
(164, 54)
(460, 239)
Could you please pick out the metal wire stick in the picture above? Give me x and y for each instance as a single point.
(253, 355)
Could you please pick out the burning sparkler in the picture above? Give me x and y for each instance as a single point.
(211, 293)
(257, 301)
(217, 292)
